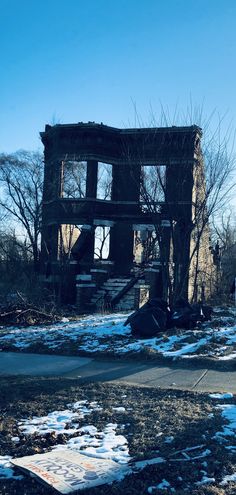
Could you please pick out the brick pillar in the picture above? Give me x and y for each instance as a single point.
(87, 260)
(153, 278)
(91, 179)
(85, 288)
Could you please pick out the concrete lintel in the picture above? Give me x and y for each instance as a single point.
(84, 277)
(143, 227)
(97, 270)
(152, 270)
(141, 286)
(165, 223)
(86, 227)
(107, 262)
(103, 223)
(86, 285)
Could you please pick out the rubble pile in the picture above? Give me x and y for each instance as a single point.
(19, 311)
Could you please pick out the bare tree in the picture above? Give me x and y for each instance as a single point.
(74, 179)
(214, 184)
(101, 239)
(224, 235)
(21, 182)
(224, 229)
(15, 263)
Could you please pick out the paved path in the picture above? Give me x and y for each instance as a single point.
(136, 373)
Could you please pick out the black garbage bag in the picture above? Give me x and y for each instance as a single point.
(149, 320)
(155, 317)
(203, 311)
(207, 312)
(181, 314)
(187, 315)
(181, 318)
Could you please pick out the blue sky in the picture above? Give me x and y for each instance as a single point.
(73, 60)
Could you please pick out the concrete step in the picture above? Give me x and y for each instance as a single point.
(112, 287)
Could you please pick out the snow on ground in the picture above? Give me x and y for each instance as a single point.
(109, 444)
(228, 478)
(164, 485)
(229, 430)
(107, 334)
(6, 470)
(228, 413)
(106, 444)
(57, 421)
(224, 437)
(227, 435)
(227, 395)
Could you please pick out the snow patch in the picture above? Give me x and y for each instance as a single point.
(205, 481)
(57, 421)
(164, 485)
(227, 479)
(6, 471)
(106, 444)
(228, 413)
(221, 396)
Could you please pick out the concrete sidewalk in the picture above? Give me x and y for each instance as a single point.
(172, 376)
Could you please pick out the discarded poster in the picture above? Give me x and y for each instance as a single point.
(66, 470)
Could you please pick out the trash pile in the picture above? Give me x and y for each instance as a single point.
(156, 316)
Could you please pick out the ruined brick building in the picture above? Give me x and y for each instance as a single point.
(71, 216)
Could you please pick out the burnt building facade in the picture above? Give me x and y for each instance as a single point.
(72, 219)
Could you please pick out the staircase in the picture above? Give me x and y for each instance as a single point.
(123, 294)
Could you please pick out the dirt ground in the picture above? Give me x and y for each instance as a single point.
(149, 417)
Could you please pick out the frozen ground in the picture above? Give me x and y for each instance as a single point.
(187, 444)
(170, 441)
(107, 335)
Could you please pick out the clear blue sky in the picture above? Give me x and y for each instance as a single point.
(72, 60)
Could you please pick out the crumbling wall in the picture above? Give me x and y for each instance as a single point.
(127, 151)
